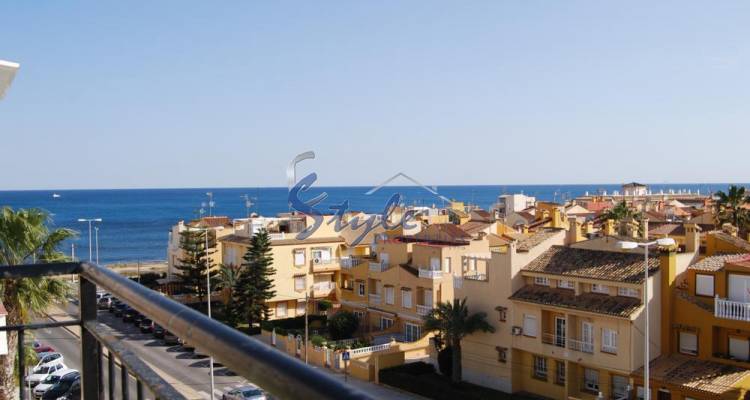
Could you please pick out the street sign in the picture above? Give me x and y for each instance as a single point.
(345, 356)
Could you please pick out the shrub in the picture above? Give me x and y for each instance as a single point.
(317, 340)
(342, 325)
(445, 361)
(324, 305)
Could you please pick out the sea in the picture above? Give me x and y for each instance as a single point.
(136, 222)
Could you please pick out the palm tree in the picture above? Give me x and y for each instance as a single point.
(25, 238)
(729, 206)
(453, 323)
(619, 212)
(226, 278)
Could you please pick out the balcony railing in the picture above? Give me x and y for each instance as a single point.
(325, 264)
(430, 273)
(562, 341)
(423, 310)
(475, 276)
(350, 262)
(374, 298)
(729, 309)
(378, 266)
(579, 345)
(323, 288)
(458, 282)
(280, 374)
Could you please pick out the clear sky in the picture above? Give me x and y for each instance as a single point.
(210, 94)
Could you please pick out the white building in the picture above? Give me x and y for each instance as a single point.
(7, 73)
(634, 189)
(508, 204)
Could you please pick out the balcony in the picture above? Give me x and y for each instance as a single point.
(276, 372)
(423, 309)
(349, 262)
(572, 344)
(476, 277)
(378, 266)
(323, 289)
(325, 265)
(374, 298)
(430, 273)
(729, 309)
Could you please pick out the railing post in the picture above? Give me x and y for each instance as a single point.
(89, 345)
(100, 369)
(112, 378)
(125, 382)
(21, 365)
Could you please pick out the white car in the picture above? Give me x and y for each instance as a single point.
(41, 373)
(50, 381)
(249, 392)
(47, 359)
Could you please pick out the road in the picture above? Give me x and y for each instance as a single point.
(188, 371)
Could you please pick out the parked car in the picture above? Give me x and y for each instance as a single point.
(138, 318)
(114, 304)
(43, 348)
(249, 392)
(50, 381)
(103, 303)
(146, 325)
(170, 339)
(129, 314)
(49, 359)
(74, 393)
(41, 373)
(120, 309)
(62, 386)
(158, 331)
(187, 346)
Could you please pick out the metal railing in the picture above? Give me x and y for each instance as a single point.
(378, 266)
(423, 309)
(573, 344)
(280, 374)
(350, 262)
(729, 309)
(430, 273)
(374, 298)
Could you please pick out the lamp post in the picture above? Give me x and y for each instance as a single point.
(90, 220)
(210, 203)
(625, 245)
(208, 297)
(96, 241)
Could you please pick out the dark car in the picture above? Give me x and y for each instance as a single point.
(62, 387)
(120, 309)
(74, 393)
(158, 331)
(129, 314)
(146, 325)
(44, 349)
(137, 318)
(113, 305)
(170, 339)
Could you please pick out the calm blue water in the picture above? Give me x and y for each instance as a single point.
(136, 222)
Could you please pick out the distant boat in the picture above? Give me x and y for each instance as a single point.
(55, 195)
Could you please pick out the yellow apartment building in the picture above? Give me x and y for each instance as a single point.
(218, 226)
(405, 277)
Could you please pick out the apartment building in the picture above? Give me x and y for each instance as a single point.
(405, 277)
(218, 227)
(310, 266)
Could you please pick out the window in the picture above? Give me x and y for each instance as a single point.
(435, 263)
(299, 257)
(688, 343)
(591, 380)
(321, 256)
(406, 298)
(447, 265)
(385, 323)
(597, 288)
(412, 332)
(620, 387)
(540, 367)
(502, 313)
(565, 284)
(529, 325)
(361, 289)
(502, 354)
(281, 309)
(739, 348)
(560, 372)
(389, 295)
(360, 315)
(299, 283)
(301, 305)
(704, 285)
(541, 280)
(609, 341)
(629, 292)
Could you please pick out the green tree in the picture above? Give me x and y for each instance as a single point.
(227, 278)
(342, 325)
(195, 261)
(25, 237)
(621, 212)
(729, 207)
(255, 284)
(453, 322)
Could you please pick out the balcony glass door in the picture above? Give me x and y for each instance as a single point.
(427, 298)
(739, 288)
(560, 331)
(587, 336)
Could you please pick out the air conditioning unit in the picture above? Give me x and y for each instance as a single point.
(517, 331)
(316, 260)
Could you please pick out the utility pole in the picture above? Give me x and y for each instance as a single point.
(307, 306)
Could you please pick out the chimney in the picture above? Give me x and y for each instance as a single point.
(609, 227)
(575, 233)
(644, 222)
(668, 270)
(545, 214)
(692, 238)
(525, 229)
(730, 229)
(589, 227)
(557, 221)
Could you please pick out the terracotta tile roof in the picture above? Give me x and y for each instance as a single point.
(481, 216)
(540, 223)
(694, 374)
(593, 264)
(715, 263)
(733, 240)
(442, 233)
(666, 229)
(526, 215)
(211, 222)
(473, 227)
(683, 294)
(528, 243)
(619, 306)
(513, 235)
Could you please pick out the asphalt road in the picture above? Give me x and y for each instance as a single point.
(176, 365)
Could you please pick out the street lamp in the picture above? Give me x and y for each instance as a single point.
(96, 240)
(625, 245)
(90, 220)
(208, 294)
(210, 203)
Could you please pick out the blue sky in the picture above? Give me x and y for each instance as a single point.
(193, 94)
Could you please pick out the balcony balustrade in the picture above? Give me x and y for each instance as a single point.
(430, 273)
(423, 309)
(350, 262)
(577, 345)
(728, 309)
(374, 298)
(378, 266)
(276, 372)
